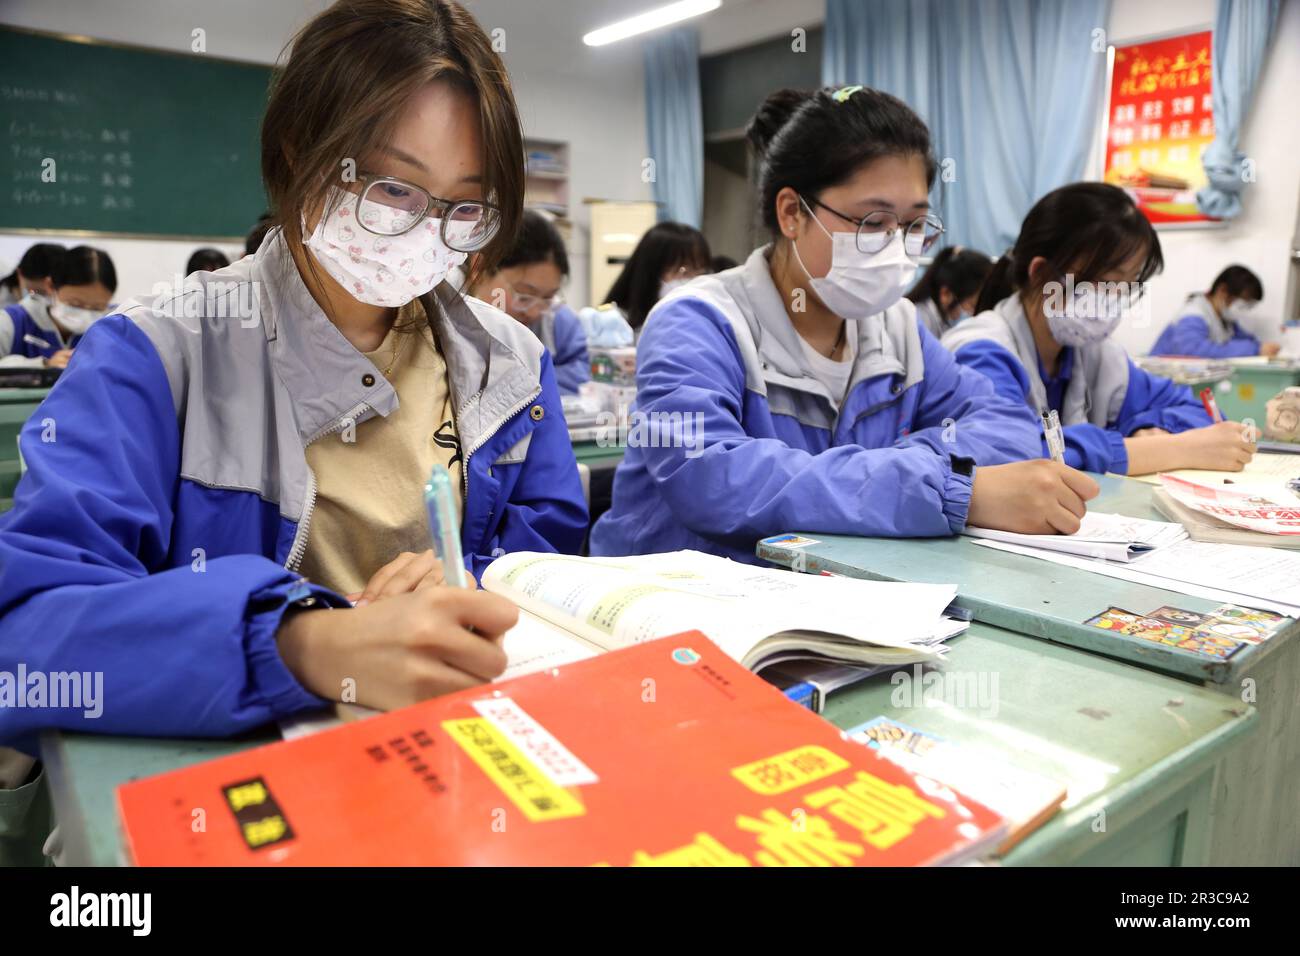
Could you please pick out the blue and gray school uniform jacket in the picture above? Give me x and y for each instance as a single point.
(1100, 395)
(27, 330)
(167, 504)
(738, 440)
(562, 333)
(1199, 330)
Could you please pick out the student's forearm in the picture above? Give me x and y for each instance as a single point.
(1149, 454)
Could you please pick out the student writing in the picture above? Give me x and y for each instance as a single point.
(207, 456)
(1042, 336)
(47, 324)
(820, 401)
(1209, 323)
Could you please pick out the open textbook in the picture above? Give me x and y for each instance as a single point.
(576, 607)
(1109, 536)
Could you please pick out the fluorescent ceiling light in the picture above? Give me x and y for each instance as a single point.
(650, 20)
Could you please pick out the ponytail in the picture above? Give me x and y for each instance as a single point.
(998, 284)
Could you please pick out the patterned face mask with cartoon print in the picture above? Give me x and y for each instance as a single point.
(380, 270)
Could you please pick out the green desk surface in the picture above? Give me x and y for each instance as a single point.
(596, 456)
(1138, 751)
(23, 396)
(1257, 793)
(12, 418)
(1246, 394)
(1032, 596)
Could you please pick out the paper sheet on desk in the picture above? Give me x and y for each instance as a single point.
(1100, 535)
(1265, 578)
(1266, 470)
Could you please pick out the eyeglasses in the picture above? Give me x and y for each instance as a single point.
(526, 301)
(387, 206)
(876, 230)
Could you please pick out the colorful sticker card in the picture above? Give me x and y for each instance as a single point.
(1172, 627)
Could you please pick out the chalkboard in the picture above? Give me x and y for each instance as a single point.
(112, 139)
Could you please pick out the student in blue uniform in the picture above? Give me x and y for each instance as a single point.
(799, 392)
(1209, 323)
(1042, 331)
(668, 255)
(235, 458)
(527, 285)
(46, 326)
(32, 274)
(946, 292)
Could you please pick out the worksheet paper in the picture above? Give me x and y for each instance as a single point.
(1266, 578)
(1269, 470)
(1100, 535)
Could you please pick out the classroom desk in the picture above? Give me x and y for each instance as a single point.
(23, 396)
(1258, 790)
(596, 456)
(1137, 750)
(1246, 393)
(13, 415)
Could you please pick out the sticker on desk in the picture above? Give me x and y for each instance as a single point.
(883, 732)
(1245, 623)
(789, 541)
(1190, 636)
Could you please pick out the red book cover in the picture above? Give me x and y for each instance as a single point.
(666, 753)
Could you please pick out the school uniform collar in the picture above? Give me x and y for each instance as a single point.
(1075, 400)
(1221, 327)
(780, 348)
(326, 377)
(329, 381)
(1064, 373)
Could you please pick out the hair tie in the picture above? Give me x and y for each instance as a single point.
(844, 92)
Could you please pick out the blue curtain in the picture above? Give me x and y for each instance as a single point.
(674, 124)
(1011, 91)
(1242, 29)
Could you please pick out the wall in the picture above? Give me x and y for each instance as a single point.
(1261, 236)
(592, 100)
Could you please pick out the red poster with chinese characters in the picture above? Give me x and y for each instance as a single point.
(1160, 119)
(666, 753)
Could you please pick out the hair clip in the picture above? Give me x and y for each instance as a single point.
(844, 92)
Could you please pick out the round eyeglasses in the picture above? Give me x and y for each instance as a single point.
(390, 207)
(876, 230)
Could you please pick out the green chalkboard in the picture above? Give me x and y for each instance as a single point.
(143, 142)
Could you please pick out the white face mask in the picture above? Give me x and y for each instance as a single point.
(860, 284)
(386, 271)
(1088, 319)
(73, 320)
(1239, 310)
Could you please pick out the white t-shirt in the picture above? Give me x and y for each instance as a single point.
(832, 374)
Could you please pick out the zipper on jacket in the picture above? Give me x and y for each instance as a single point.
(464, 465)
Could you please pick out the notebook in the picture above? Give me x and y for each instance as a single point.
(1108, 536)
(668, 753)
